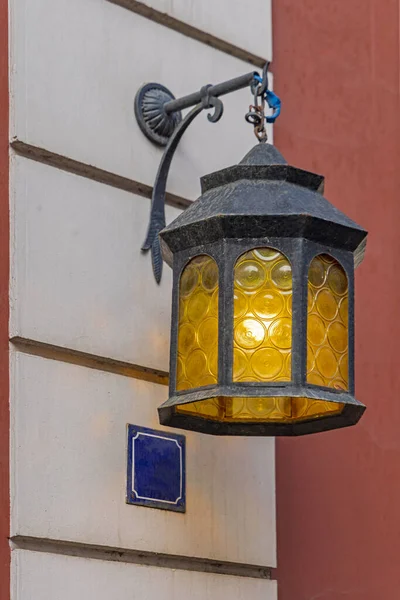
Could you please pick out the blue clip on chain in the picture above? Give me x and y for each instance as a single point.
(273, 102)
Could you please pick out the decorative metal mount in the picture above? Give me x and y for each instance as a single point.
(159, 117)
(153, 120)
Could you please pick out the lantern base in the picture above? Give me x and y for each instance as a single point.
(326, 410)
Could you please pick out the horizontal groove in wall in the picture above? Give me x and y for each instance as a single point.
(197, 34)
(84, 170)
(139, 557)
(91, 361)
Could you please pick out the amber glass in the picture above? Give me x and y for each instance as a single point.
(327, 324)
(275, 409)
(197, 363)
(262, 326)
(262, 345)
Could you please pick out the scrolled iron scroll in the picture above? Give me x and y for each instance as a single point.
(157, 213)
(158, 115)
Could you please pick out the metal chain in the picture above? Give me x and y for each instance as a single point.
(256, 115)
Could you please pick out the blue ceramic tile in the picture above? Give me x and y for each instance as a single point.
(156, 469)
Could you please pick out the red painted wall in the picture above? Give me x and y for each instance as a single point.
(336, 67)
(4, 274)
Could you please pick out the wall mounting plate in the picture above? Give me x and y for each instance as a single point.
(155, 123)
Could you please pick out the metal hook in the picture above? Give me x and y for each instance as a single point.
(208, 101)
(260, 84)
(218, 110)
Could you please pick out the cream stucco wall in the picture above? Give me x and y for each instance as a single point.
(79, 284)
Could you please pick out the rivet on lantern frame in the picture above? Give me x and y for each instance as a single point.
(263, 203)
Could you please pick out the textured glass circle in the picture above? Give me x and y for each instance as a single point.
(214, 304)
(208, 333)
(202, 261)
(198, 306)
(280, 333)
(189, 280)
(214, 407)
(182, 310)
(249, 274)
(208, 408)
(316, 273)
(209, 275)
(184, 385)
(196, 365)
(315, 379)
(315, 330)
(237, 405)
(186, 338)
(344, 367)
(239, 363)
(266, 363)
(213, 361)
(337, 280)
(337, 336)
(180, 370)
(249, 333)
(260, 407)
(267, 253)
(326, 362)
(199, 261)
(267, 304)
(339, 384)
(326, 332)
(310, 358)
(206, 380)
(281, 275)
(300, 406)
(239, 304)
(317, 407)
(326, 258)
(310, 299)
(283, 405)
(344, 310)
(287, 366)
(326, 304)
(257, 309)
(289, 304)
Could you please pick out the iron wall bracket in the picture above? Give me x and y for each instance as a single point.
(159, 117)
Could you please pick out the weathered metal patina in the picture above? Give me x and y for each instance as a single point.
(297, 330)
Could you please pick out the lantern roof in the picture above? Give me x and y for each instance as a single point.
(263, 196)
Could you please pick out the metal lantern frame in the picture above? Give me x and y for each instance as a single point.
(225, 253)
(282, 231)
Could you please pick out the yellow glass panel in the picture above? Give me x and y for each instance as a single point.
(327, 323)
(262, 328)
(276, 409)
(197, 363)
(262, 336)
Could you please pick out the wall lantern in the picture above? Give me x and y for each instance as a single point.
(262, 339)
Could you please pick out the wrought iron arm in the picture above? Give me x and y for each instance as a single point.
(159, 117)
(157, 214)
